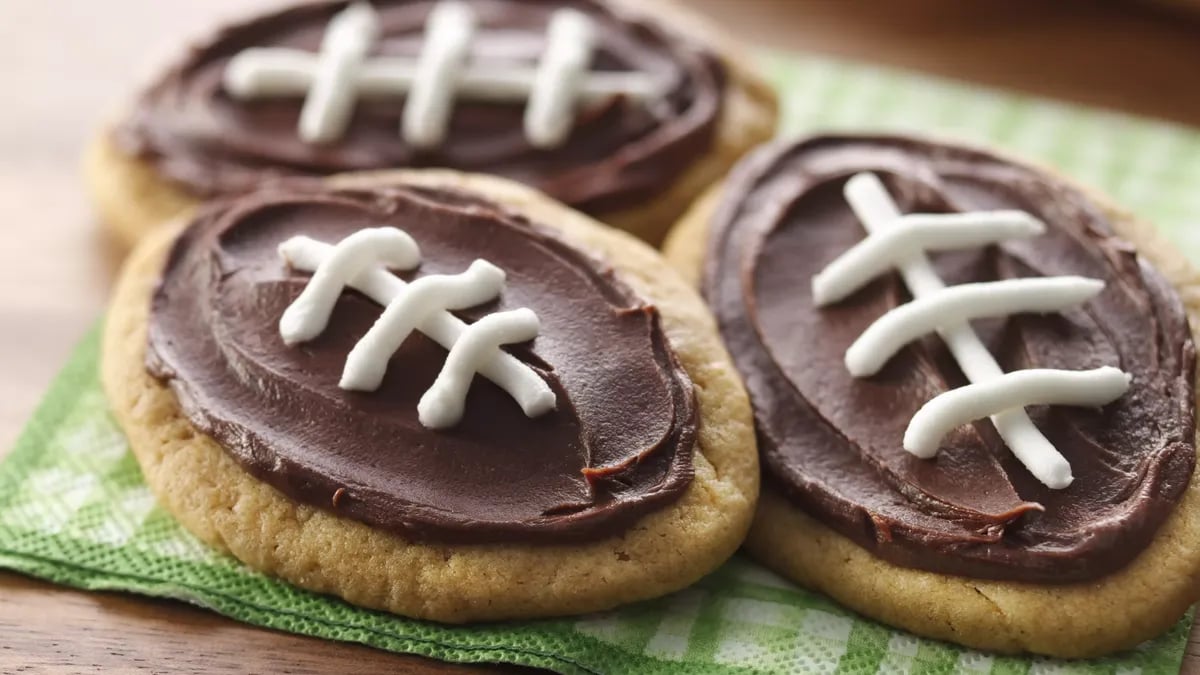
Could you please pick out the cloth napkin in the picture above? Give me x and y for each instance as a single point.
(75, 510)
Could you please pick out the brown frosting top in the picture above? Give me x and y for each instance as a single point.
(618, 446)
(619, 153)
(832, 443)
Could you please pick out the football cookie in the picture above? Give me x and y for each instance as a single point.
(620, 110)
(973, 387)
(441, 395)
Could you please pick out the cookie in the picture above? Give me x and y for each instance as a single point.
(977, 423)
(623, 111)
(348, 458)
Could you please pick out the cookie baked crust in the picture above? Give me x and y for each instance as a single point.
(222, 504)
(1076, 620)
(132, 197)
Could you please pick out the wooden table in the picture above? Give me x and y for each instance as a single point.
(63, 63)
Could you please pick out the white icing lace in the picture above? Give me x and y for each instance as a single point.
(332, 80)
(359, 261)
(898, 241)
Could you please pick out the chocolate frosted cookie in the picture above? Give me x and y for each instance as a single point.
(973, 387)
(622, 111)
(437, 394)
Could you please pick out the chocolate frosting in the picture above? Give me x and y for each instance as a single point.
(832, 443)
(619, 153)
(618, 446)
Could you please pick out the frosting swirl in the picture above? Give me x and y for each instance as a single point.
(618, 446)
(618, 154)
(832, 442)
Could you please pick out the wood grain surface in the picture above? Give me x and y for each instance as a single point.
(65, 64)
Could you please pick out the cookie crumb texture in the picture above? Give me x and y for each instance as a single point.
(219, 502)
(1076, 620)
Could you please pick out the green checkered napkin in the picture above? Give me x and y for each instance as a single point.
(74, 509)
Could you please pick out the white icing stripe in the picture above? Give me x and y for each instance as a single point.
(447, 44)
(1035, 386)
(957, 304)
(442, 404)
(330, 101)
(531, 392)
(570, 39)
(308, 315)
(269, 72)
(912, 234)
(332, 80)
(367, 361)
(876, 210)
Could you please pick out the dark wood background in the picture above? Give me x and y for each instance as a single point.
(64, 64)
